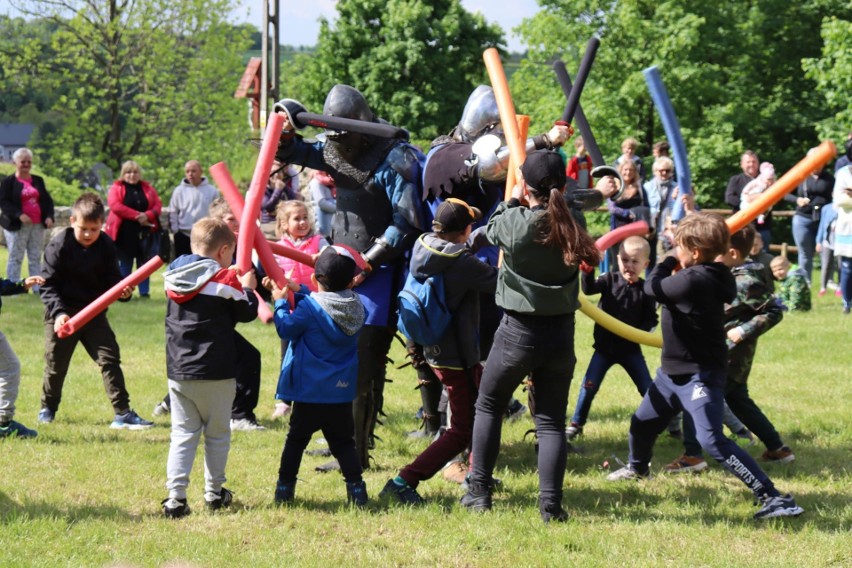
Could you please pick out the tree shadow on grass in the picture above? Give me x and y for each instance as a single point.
(11, 512)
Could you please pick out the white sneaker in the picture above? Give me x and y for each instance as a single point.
(626, 473)
(161, 409)
(245, 425)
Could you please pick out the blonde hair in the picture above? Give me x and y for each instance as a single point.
(219, 208)
(208, 234)
(706, 232)
(283, 213)
(636, 244)
(631, 142)
(779, 262)
(130, 165)
(663, 162)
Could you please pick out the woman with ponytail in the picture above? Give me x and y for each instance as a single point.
(537, 288)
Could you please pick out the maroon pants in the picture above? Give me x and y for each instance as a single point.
(461, 394)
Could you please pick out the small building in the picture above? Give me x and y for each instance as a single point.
(12, 137)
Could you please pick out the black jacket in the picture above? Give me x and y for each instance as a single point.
(74, 276)
(10, 201)
(693, 316)
(205, 304)
(625, 302)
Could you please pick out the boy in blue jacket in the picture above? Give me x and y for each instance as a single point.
(320, 370)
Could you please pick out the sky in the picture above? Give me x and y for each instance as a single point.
(300, 26)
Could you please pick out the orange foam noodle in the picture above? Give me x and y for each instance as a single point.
(505, 106)
(512, 173)
(103, 301)
(822, 154)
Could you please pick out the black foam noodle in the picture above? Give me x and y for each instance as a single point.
(582, 123)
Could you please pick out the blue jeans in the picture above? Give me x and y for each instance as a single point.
(632, 362)
(804, 233)
(846, 280)
(543, 348)
(697, 396)
(125, 264)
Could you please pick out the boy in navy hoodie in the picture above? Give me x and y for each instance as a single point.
(206, 300)
(320, 370)
(693, 368)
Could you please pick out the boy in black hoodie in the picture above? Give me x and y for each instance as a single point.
(692, 373)
(455, 359)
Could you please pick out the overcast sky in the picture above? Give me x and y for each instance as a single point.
(299, 25)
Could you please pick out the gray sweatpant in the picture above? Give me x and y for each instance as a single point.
(199, 407)
(10, 378)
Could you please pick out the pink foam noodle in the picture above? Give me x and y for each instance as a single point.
(615, 236)
(85, 315)
(254, 197)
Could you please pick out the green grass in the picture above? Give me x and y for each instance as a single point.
(84, 495)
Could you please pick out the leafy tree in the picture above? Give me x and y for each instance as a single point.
(415, 61)
(832, 73)
(151, 80)
(732, 71)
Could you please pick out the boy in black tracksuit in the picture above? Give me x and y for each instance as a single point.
(691, 377)
(752, 313)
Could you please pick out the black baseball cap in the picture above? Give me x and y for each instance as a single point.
(544, 170)
(335, 268)
(454, 215)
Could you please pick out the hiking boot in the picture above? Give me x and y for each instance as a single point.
(215, 501)
(686, 463)
(130, 421)
(515, 411)
(405, 494)
(285, 492)
(161, 409)
(356, 493)
(782, 455)
(477, 498)
(552, 512)
(16, 430)
(46, 416)
(778, 506)
(627, 473)
(456, 472)
(573, 431)
(245, 425)
(175, 508)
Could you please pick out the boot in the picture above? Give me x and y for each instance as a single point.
(356, 493)
(552, 511)
(477, 498)
(284, 492)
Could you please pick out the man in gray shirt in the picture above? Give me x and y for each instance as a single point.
(189, 203)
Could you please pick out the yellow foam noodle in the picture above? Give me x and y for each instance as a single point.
(618, 327)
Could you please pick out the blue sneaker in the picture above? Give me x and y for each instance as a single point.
(405, 494)
(16, 430)
(46, 416)
(130, 421)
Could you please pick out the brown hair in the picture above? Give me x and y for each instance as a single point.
(743, 240)
(558, 228)
(208, 234)
(89, 208)
(706, 232)
(219, 208)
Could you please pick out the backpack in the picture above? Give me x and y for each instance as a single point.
(423, 312)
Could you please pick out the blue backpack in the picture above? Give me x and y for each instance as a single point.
(423, 312)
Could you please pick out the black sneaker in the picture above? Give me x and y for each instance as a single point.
(477, 498)
(220, 500)
(284, 492)
(16, 430)
(552, 512)
(778, 506)
(356, 493)
(175, 508)
(405, 494)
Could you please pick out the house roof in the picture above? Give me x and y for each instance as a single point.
(15, 134)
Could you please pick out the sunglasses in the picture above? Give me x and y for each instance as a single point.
(663, 171)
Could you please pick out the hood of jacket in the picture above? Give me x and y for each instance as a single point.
(188, 274)
(432, 254)
(344, 308)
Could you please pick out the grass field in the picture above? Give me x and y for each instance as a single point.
(84, 495)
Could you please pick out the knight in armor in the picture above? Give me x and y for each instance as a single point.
(379, 214)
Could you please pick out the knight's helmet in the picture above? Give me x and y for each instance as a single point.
(347, 102)
(480, 115)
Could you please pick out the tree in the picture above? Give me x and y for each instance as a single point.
(151, 80)
(732, 71)
(832, 73)
(415, 61)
